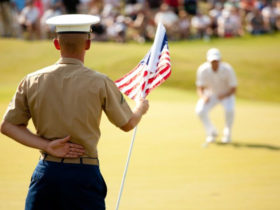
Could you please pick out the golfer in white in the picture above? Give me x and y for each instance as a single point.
(216, 83)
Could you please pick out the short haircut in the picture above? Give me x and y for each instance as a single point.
(72, 42)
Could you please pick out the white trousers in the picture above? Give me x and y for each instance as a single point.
(202, 109)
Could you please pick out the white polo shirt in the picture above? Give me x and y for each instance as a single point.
(218, 82)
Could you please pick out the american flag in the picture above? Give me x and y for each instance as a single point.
(152, 70)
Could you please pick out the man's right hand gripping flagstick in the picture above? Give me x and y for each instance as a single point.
(152, 71)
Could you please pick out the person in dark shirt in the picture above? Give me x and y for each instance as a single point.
(71, 6)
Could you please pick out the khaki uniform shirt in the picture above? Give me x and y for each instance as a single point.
(218, 82)
(67, 99)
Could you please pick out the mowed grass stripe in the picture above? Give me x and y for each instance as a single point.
(256, 61)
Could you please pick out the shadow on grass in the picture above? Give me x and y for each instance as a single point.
(250, 145)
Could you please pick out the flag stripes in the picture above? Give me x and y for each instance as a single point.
(141, 80)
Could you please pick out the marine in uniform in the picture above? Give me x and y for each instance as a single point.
(216, 84)
(65, 102)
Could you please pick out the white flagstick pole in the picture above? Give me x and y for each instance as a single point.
(154, 53)
(126, 167)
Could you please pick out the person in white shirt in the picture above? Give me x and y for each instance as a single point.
(216, 84)
(269, 14)
(168, 18)
(29, 19)
(229, 23)
(201, 24)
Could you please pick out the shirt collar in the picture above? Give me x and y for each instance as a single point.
(74, 61)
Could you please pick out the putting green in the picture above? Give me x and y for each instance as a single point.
(169, 168)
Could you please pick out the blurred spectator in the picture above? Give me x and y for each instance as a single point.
(114, 3)
(40, 7)
(270, 16)
(169, 19)
(137, 19)
(190, 6)
(84, 6)
(29, 20)
(260, 4)
(71, 6)
(255, 23)
(114, 23)
(184, 25)
(147, 27)
(132, 8)
(6, 18)
(95, 7)
(127, 2)
(212, 3)
(278, 15)
(99, 32)
(247, 5)
(216, 11)
(229, 24)
(109, 10)
(19, 4)
(229, 4)
(173, 4)
(214, 14)
(200, 24)
(55, 9)
(154, 5)
(116, 30)
(46, 4)
(140, 20)
(236, 14)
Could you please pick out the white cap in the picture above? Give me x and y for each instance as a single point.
(73, 23)
(213, 55)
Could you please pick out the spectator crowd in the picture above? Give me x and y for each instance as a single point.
(123, 20)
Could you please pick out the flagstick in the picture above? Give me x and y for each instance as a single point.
(126, 167)
(154, 57)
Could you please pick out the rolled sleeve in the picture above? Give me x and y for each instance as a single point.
(116, 107)
(18, 112)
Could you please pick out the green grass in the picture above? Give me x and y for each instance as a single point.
(169, 168)
(256, 61)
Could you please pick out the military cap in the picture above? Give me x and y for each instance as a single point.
(75, 23)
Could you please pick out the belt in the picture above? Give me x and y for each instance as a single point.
(81, 160)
